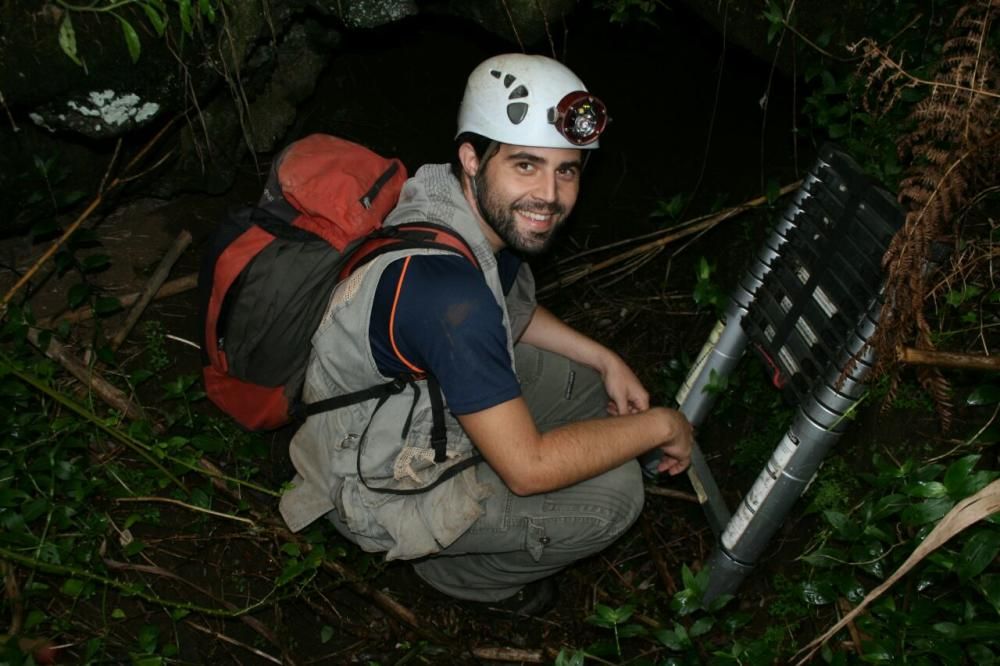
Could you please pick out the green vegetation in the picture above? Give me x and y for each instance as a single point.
(190, 14)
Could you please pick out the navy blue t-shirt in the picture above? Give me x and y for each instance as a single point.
(447, 324)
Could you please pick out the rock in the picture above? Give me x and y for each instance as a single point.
(369, 13)
(98, 114)
(523, 22)
(237, 79)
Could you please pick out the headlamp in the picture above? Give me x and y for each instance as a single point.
(580, 117)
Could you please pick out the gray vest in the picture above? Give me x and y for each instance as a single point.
(325, 450)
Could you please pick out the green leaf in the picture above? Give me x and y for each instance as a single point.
(207, 10)
(73, 587)
(134, 547)
(889, 505)
(325, 634)
(67, 39)
(43, 228)
(155, 18)
(838, 131)
(773, 190)
(957, 478)
(185, 13)
(989, 586)
(623, 613)
(926, 512)
(78, 294)
(95, 262)
(576, 658)
(985, 394)
(631, 631)
(926, 489)
(291, 570)
(131, 39)
(979, 551)
(106, 305)
(845, 528)
(817, 593)
(701, 626)
(207, 443)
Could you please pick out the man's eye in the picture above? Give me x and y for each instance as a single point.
(568, 172)
(525, 166)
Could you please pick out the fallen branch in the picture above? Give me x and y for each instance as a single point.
(383, 601)
(86, 375)
(81, 218)
(156, 570)
(189, 507)
(967, 512)
(672, 494)
(690, 229)
(156, 281)
(509, 654)
(949, 359)
(233, 641)
(171, 288)
(669, 584)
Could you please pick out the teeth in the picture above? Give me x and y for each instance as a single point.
(538, 217)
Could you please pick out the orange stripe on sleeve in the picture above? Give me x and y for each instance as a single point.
(392, 320)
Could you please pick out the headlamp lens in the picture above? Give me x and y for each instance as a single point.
(580, 117)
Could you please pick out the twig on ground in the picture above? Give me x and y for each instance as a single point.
(673, 234)
(653, 548)
(10, 116)
(190, 507)
(171, 288)
(845, 607)
(156, 281)
(383, 601)
(672, 494)
(233, 641)
(156, 570)
(14, 600)
(949, 359)
(509, 654)
(89, 377)
(81, 218)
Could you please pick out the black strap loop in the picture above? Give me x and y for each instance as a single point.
(439, 434)
(302, 411)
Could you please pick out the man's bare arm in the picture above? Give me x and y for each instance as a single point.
(626, 392)
(530, 462)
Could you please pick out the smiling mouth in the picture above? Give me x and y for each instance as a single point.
(537, 220)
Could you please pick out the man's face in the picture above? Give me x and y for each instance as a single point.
(524, 194)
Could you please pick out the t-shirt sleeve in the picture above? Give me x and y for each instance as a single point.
(446, 323)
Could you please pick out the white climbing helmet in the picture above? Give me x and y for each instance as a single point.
(530, 100)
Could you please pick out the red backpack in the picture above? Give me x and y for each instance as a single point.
(269, 270)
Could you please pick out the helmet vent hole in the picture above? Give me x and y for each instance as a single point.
(508, 80)
(519, 93)
(516, 112)
(495, 73)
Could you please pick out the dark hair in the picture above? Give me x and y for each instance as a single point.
(480, 144)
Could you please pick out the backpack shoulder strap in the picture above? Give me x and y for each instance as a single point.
(415, 235)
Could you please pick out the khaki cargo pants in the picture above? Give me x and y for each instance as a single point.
(522, 539)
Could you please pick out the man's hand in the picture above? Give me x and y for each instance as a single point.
(627, 394)
(677, 449)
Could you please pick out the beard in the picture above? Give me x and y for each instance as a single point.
(501, 216)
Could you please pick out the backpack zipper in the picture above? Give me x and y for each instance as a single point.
(370, 195)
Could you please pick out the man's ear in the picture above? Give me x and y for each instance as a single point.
(468, 159)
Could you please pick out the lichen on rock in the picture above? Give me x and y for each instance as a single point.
(98, 114)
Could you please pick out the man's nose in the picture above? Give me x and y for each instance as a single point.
(547, 189)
